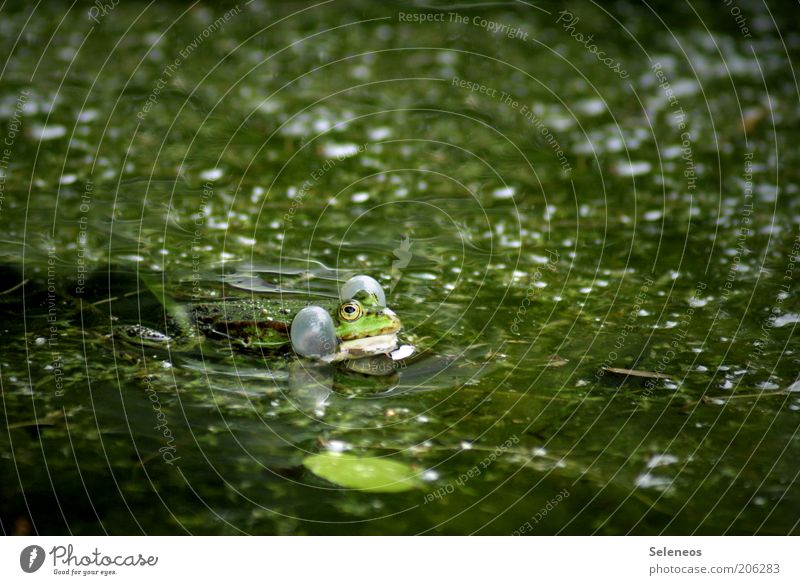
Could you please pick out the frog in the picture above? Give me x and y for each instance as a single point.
(359, 326)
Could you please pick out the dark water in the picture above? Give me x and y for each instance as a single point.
(539, 205)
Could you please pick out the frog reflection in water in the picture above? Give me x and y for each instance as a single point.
(360, 326)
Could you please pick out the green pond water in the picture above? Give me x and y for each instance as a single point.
(539, 205)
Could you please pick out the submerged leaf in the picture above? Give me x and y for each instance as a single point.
(361, 473)
(637, 373)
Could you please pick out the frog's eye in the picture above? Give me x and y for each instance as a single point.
(350, 311)
(363, 283)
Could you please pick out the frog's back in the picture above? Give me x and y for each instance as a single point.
(246, 321)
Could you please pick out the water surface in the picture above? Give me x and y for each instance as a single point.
(537, 215)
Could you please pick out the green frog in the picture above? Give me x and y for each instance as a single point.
(359, 326)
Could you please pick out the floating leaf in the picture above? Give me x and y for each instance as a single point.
(368, 474)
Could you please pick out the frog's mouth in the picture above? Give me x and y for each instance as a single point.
(367, 346)
(383, 343)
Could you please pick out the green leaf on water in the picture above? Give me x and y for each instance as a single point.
(363, 473)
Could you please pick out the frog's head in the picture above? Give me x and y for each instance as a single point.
(365, 327)
(362, 316)
(360, 326)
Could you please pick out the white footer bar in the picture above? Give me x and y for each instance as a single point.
(400, 560)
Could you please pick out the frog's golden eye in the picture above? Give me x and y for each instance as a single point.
(350, 311)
